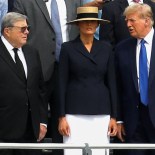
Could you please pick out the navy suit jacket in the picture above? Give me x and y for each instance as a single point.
(16, 95)
(116, 30)
(128, 84)
(87, 80)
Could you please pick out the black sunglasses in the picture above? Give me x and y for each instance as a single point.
(22, 29)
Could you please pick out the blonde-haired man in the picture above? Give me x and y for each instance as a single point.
(135, 63)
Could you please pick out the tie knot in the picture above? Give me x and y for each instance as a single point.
(15, 50)
(143, 41)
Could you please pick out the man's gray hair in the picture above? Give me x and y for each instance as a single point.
(10, 18)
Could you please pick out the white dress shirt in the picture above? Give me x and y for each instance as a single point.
(148, 38)
(130, 2)
(20, 53)
(62, 15)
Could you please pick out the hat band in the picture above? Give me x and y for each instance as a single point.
(87, 15)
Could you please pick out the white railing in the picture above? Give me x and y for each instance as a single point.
(85, 147)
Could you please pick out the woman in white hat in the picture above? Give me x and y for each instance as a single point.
(87, 87)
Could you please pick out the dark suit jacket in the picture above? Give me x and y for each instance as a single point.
(15, 95)
(10, 5)
(117, 31)
(42, 35)
(87, 80)
(128, 84)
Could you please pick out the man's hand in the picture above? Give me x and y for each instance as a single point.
(121, 132)
(42, 133)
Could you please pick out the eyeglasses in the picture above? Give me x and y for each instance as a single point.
(22, 29)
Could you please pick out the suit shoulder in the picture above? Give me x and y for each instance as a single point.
(125, 42)
(27, 46)
(71, 42)
(66, 47)
(112, 5)
(104, 44)
(30, 49)
(151, 3)
(66, 44)
(125, 45)
(112, 10)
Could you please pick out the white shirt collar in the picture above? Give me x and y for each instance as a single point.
(7, 44)
(148, 38)
(132, 2)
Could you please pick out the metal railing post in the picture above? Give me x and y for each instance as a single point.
(86, 150)
(106, 152)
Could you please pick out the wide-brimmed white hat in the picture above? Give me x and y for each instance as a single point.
(87, 13)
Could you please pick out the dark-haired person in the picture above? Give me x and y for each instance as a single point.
(87, 88)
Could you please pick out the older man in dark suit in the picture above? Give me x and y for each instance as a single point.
(135, 61)
(23, 106)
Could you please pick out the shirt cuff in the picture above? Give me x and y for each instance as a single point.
(119, 122)
(44, 124)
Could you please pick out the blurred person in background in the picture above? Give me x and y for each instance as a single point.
(3, 10)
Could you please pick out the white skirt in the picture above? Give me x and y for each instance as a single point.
(91, 129)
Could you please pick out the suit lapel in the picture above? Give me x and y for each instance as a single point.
(44, 10)
(152, 63)
(132, 56)
(96, 47)
(8, 59)
(81, 48)
(29, 61)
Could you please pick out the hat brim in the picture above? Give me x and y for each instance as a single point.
(101, 21)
